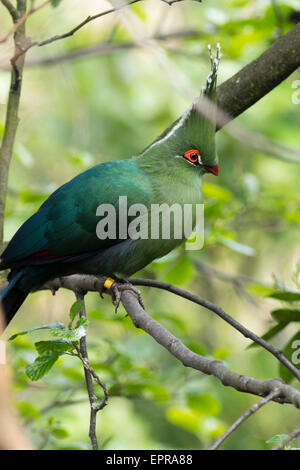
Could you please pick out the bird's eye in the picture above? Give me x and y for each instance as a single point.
(192, 156)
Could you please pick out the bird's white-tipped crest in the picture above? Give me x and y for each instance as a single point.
(208, 89)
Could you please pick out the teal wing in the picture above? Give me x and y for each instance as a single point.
(65, 225)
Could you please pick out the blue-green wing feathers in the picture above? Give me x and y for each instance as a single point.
(65, 225)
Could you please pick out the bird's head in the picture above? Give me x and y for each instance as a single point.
(190, 141)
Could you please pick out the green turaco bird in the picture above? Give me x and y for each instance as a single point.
(62, 237)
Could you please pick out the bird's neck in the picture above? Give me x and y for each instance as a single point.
(171, 183)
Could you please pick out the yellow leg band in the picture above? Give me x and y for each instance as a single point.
(108, 282)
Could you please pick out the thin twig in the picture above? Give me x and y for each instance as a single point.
(23, 19)
(106, 48)
(222, 275)
(243, 418)
(83, 23)
(238, 281)
(90, 374)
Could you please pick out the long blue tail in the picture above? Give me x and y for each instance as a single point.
(12, 297)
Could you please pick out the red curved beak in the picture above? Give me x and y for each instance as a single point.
(213, 169)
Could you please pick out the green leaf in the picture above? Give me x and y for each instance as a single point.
(55, 3)
(74, 446)
(32, 197)
(70, 335)
(183, 417)
(74, 310)
(211, 191)
(278, 439)
(158, 392)
(287, 295)
(286, 315)
(41, 366)
(182, 272)
(82, 322)
(55, 345)
(292, 352)
(236, 246)
(259, 289)
(60, 433)
(221, 353)
(56, 325)
(270, 334)
(203, 404)
(27, 410)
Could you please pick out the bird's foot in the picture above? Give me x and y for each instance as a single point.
(117, 287)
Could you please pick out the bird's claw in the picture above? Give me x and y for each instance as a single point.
(119, 286)
(101, 292)
(117, 289)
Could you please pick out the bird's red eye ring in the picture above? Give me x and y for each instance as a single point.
(192, 155)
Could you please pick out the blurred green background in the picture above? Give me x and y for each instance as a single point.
(101, 107)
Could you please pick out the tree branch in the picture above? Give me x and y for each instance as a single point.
(259, 77)
(12, 119)
(11, 9)
(242, 383)
(86, 283)
(253, 82)
(220, 312)
(217, 368)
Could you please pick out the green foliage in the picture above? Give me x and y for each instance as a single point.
(180, 272)
(107, 107)
(56, 3)
(27, 410)
(203, 404)
(74, 311)
(271, 333)
(288, 352)
(41, 365)
(54, 345)
(49, 351)
(277, 439)
(288, 296)
(56, 326)
(283, 317)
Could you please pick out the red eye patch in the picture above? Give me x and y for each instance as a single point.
(192, 155)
